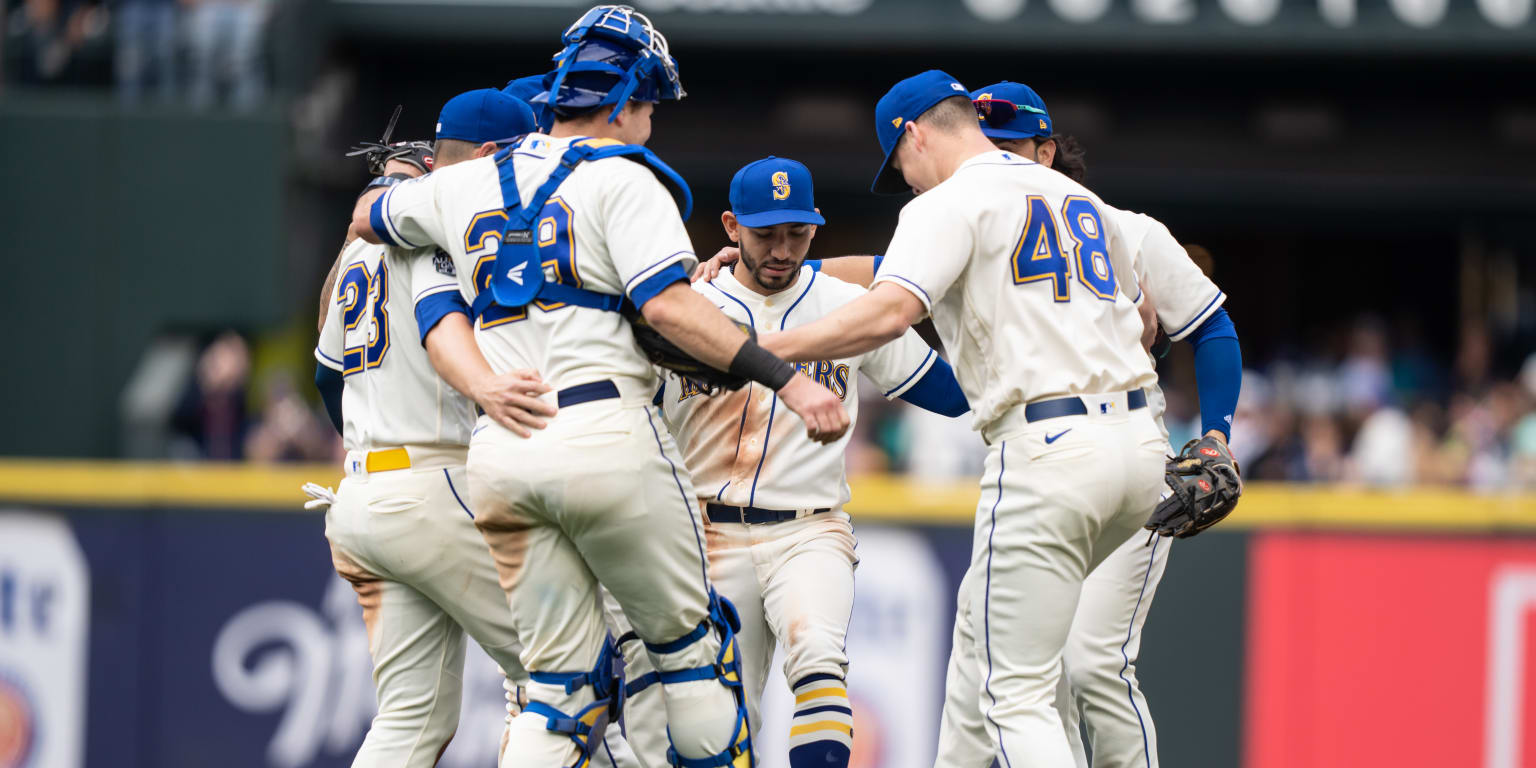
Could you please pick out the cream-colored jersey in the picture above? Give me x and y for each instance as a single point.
(1026, 278)
(1183, 295)
(391, 396)
(611, 227)
(740, 447)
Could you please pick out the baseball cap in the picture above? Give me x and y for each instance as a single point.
(1010, 110)
(774, 190)
(905, 102)
(525, 89)
(482, 115)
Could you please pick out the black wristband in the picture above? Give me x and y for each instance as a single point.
(758, 364)
(386, 181)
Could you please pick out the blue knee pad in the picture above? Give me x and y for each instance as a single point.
(586, 727)
(726, 669)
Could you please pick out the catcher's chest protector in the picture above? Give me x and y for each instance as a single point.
(518, 276)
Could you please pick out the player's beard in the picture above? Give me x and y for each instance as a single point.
(770, 282)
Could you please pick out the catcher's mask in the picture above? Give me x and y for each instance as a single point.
(613, 54)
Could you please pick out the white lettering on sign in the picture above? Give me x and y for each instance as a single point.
(1080, 11)
(1505, 13)
(1252, 13)
(313, 668)
(1164, 11)
(995, 10)
(1419, 13)
(1511, 599)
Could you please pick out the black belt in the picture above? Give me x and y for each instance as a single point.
(1074, 406)
(586, 393)
(724, 513)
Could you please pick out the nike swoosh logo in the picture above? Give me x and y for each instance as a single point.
(1053, 438)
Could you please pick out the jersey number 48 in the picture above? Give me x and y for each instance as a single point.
(1038, 254)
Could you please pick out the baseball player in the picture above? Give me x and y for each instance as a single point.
(1100, 655)
(780, 546)
(398, 527)
(558, 240)
(1021, 272)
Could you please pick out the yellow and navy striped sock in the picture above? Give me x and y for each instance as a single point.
(821, 733)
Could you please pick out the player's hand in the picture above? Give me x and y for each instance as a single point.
(723, 258)
(823, 414)
(512, 399)
(401, 166)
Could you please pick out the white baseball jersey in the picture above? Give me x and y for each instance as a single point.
(392, 395)
(1184, 296)
(1025, 277)
(739, 446)
(611, 227)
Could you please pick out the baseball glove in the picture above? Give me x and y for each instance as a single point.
(1206, 483)
(378, 154)
(664, 353)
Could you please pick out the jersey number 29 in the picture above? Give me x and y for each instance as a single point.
(1039, 253)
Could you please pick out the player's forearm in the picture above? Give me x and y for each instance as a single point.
(694, 325)
(859, 270)
(362, 224)
(876, 318)
(455, 356)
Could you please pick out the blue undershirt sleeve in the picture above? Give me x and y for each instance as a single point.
(1218, 371)
(938, 391)
(328, 381)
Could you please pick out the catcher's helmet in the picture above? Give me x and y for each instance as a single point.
(612, 54)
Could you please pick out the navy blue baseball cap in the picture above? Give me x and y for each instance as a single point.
(905, 102)
(525, 89)
(774, 190)
(1009, 110)
(485, 114)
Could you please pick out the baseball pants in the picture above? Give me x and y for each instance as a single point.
(791, 582)
(1050, 513)
(1099, 686)
(423, 577)
(598, 497)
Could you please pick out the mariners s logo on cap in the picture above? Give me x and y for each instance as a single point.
(774, 190)
(780, 185)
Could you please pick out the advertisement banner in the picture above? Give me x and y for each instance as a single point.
(44, 613)
(1391, 650)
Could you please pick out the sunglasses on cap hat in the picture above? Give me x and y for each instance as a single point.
(999, 112)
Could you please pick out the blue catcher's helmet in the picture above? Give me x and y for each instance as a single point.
(527, 89)
(613, 54)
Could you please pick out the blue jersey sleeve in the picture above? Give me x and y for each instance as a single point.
(1218, 371)
(938, 391)
(329, 382)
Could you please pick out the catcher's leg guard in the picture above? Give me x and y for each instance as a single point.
(726, 669)
(586, 726)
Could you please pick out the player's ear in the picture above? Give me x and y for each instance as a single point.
(1045, 152)
(732, 227)
(486, 150)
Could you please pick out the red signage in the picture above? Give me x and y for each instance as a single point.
(1371, 650)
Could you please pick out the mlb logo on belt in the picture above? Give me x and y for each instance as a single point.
(1105, 408)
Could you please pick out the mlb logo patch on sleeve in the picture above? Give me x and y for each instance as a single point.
(443, 263)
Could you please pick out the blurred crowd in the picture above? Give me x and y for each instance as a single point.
(199, 53)
(1373, 413)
